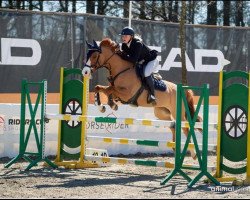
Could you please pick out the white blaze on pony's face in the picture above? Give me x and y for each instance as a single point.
(86, 71)
(88, 62)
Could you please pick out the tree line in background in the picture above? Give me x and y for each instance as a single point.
(209, 12)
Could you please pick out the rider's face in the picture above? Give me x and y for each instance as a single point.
(126, 38)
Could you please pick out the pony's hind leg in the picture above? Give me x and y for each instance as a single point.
(163, 113)
(199, 119)
(192, 151)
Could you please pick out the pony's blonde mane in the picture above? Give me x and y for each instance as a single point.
(107, 42)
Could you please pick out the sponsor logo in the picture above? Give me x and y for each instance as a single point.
(18, 121)
(109, 127)
(6, 52)
(215, 57)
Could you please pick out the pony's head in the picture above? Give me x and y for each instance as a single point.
(93, 53)
(95, 58)
(92, 48)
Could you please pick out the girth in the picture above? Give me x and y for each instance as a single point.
(112, 79)
(133, 100)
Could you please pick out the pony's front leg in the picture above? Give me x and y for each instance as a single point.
(112, 103)
(107, 91)
(98, 103)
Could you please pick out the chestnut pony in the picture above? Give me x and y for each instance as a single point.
(127, 87)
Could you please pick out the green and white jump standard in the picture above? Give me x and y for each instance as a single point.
(233, 139)
(32, 157)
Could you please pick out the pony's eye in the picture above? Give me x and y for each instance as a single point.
(94, 56)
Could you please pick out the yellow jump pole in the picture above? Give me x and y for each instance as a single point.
(58, 157)
(218, 170)
(84, 113)
(247, 181)
(85, 98)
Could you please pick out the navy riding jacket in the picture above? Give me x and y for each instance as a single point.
(137, 52)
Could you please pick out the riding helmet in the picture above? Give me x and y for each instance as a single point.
(127, 31)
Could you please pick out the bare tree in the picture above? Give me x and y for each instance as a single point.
(64, 5)
(73, 6)
(142, 8)
(170, 10)
(101, 7)
(211, 12)
(18, 4)
(239, 14)
(226, 13)
(191, 11)
(176, 12)
(90, 7)
(153, 10)
(126, 9)
(163, 10)
(10, 4)
(183, 43)
(30, 5)
(23, 6)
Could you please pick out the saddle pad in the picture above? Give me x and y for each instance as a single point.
(160, 85)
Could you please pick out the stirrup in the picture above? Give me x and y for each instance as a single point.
(151, 99)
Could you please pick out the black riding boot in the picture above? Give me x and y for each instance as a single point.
(151, 90)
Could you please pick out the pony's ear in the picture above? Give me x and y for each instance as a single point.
(90, 46)
(96, 46)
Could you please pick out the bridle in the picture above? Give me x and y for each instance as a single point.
(97, 64)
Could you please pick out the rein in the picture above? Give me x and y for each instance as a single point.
(111, 79)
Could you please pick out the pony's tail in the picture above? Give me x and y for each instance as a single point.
(190, 100)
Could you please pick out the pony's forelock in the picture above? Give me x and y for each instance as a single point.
(107, 42)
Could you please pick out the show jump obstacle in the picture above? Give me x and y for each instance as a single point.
(73, 117)
(72, 134)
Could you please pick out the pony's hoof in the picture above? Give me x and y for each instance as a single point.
(115, 108)
(102, 109)
(97, 89)
(193, 155)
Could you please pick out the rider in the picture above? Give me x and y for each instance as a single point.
(135, 51)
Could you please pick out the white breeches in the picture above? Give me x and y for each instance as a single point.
(151, 67)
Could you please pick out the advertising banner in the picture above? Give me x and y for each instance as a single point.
(34, 45)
